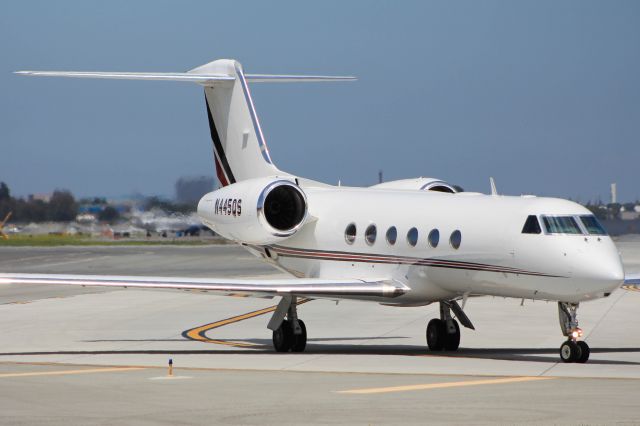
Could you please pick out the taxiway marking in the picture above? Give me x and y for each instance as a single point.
(198, 333)
(445, 385)
(67, 372)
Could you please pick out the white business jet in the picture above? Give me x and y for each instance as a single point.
(342, 242)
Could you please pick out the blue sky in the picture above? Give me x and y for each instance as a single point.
(543, 95)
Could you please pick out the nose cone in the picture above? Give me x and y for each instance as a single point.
(611, 271)
(601, 269)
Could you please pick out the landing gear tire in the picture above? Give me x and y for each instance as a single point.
(438, 337)
(573, 350)
(436, 333)
(452, 340)
(570, 351)
(283, 337)
(584, 352)
(299, 340)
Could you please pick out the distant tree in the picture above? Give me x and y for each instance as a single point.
(4, 192)
(614, 210)
(109, 214)
(62, 206)
(598, 211)
(7, 203)
(31, 211)
(99, 201)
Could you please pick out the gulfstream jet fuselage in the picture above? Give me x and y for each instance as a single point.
(405, 243)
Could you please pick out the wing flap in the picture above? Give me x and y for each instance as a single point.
(308, 287)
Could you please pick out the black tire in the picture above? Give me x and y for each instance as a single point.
(570, 351)
(452, 340)
(300, 340)
(436, 334)
(283, 337)
(584, 352)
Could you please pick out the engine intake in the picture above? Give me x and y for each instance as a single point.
(283, 207)
(262, 210)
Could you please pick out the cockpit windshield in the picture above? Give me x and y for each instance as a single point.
(561, 225)
(592, 225)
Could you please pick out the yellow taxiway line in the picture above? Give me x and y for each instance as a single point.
(441, 385)
(66, 372)
(198, 333)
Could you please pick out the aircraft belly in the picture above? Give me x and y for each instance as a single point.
(516, 285)
(423, 291)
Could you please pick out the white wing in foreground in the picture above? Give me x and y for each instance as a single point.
(307, 287)
(633, 279)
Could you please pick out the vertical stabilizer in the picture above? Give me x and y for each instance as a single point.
(238, 143)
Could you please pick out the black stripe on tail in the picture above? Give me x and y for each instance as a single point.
(223, 170)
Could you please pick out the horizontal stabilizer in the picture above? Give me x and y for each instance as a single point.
(275, 78)
(205, 79)
(310, 287)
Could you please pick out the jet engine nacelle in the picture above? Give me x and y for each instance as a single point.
(420, 184)
(258, 211)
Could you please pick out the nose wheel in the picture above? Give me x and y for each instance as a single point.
(572, 350)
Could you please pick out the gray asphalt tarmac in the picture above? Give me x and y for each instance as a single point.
(90, 356)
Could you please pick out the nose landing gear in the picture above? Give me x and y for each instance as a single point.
(572, 350)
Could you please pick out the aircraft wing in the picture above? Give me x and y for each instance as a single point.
(308, 287)
(632, 279)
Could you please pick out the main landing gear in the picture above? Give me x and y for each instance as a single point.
(573, 350)
(444, 333)
(288, 334)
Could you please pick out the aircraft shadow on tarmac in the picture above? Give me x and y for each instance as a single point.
(263, 347)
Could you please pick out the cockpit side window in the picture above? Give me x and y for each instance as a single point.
(592, 225)
(561, 225)
(531, 226)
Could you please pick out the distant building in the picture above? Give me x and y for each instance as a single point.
(633, 215)
(189, 190)
(39, 197)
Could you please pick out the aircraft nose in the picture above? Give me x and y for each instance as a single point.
(613, 270)
(605, 268)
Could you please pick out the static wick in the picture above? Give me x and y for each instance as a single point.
(170, 367)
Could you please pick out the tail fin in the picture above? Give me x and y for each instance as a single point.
(238, 143)
(239, 147)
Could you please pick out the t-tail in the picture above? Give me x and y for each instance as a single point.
(239, 147)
